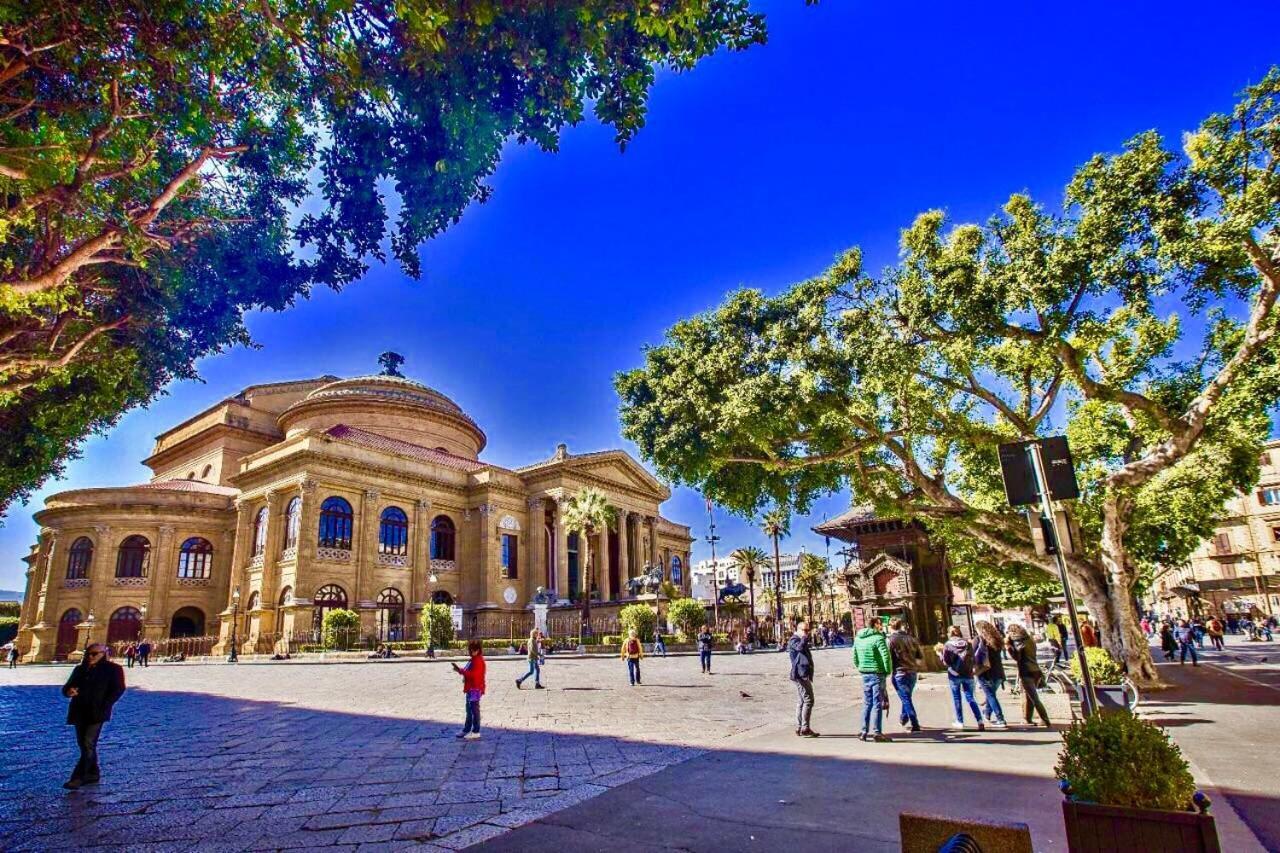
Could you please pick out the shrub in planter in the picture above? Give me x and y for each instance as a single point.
(688, 615)
(340, 629)
(638, 617)
(1129, 787)
(1102, 666)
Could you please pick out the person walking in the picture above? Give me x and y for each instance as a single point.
(1168, 644)
(94, 687)
(802, 675)
(11, 655)
(871, 658)
(1214, 628)
(705, 641)
(632, 652)
(988, 662)
(1056, 632)
(957, 656)
(472, 688)
(130, 653)
(1088, 633)
(144, 653)
(534, 654)
(1186, 637)
(659, 647)
(1022, 651)
(904, 652)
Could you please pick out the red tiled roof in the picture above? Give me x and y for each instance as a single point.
(853, 515)
(188, 486)
(374, 441)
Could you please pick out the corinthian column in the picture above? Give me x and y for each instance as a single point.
(624, 548)
(562, 554)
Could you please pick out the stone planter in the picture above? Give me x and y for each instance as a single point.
(1092, 828)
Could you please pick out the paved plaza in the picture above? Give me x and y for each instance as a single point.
(298, 755)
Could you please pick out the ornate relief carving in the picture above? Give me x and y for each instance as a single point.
(372, 494)
(444, 565)
(130, 581)
(75, 583)
(423, 504)
(195, 582)
(398, 560)
(102, 529)
(309, 487)
(289, 554)
(256, 562)
(509, 522)
(339, 555)
(536, 504)
(487, 509)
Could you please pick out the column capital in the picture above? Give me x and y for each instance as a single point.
(423, 504)
(536, 503)
(308, 487)
(372, 494)
(102, 529)
(167, 530)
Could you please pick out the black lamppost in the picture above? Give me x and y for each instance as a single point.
(235, 619)
(431, 621)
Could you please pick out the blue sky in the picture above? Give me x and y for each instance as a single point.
(754, 169)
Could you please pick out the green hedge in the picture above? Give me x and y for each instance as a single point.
(8, 628)
(1116, 759)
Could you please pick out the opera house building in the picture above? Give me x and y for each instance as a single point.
(292, 498)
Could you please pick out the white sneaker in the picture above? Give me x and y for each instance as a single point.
(473, 736)
(957, 724)
(999, 724)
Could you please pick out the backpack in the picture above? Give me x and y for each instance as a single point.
(979, 667)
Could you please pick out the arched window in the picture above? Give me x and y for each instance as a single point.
(204, 475)
(195, 559)
(67, 633)
(133, 557)
(393, 532)
(125, 625)
(260, 532)
(252, 604)
(292, 519)
(390, 615)
(79, 558)
(286, 596)
(676, 567)
(335, 524)
(328, 597)
(441, 596)
(442, 536)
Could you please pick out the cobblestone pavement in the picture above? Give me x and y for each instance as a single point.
(257, 757)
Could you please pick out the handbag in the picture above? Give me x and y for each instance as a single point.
(884, 699)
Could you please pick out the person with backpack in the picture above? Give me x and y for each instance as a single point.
(1022, 651)
(802, 675)
(705, 642)
(632, 652)
(988, 662)
(871, 658)
(904, 653)
(957, 656)
(473, 688)
(1214, 628)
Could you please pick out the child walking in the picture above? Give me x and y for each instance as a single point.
(473, 687)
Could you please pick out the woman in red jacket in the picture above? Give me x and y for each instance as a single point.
(473, 686)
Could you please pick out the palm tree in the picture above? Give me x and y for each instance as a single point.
(776, 524)
(749, 561)
(810, 577)
(587, 513)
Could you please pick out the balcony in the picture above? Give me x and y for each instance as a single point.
(130, 581)
(289, 554)
(195, 582)
(334, 555)
(444, 566)
(400, 561)
(75, 583)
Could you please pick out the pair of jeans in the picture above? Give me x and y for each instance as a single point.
(872, 694)
(905, 683)
(633, 670)
(535, 670)
(472, 723)
(87, 739)
(660, 648)
(1031, 700)
(963, 684)
(990, 703)
(1217, 641)
(706, 660)
(1187, 647)
(804, 703)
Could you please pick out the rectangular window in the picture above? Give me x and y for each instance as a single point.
(1269, 497)
(510, 560)
(1275, 533)
(1222, 543)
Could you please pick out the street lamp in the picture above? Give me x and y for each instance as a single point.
(431, 620)
(235, 618)
(142, 632)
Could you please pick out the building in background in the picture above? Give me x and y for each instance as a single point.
(703, 586)
(1236, 572)
(291, 499)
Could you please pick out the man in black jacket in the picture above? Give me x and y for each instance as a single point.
(802, 675)
(94, 686)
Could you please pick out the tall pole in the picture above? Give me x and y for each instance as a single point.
(777, 589)
(712, 538)
(1088, 701)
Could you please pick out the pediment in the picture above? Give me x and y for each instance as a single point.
(621, 469)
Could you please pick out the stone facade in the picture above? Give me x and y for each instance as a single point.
(368, 492)
(1237, 570)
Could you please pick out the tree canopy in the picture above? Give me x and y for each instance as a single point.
(1138, 317)
(155, 157)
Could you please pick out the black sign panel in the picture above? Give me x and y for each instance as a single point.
(1019, 474)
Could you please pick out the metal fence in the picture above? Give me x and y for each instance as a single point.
(170, 647)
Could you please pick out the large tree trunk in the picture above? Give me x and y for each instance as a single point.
(1120, 632)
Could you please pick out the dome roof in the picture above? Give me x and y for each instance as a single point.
(390, 388)
(391, 406)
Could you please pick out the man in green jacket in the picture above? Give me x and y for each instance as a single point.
(871, 658)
